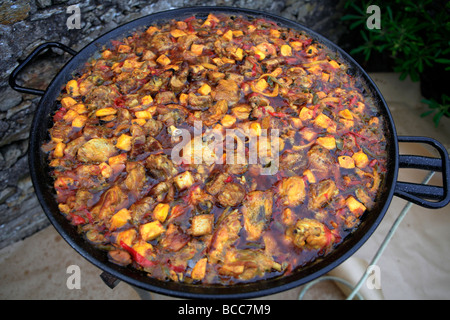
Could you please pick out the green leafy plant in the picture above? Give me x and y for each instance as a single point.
(438, 108)
(415, 35)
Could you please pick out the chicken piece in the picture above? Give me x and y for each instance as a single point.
(136, 178)
(310, 234)
(202, 224)
(120, 257)
(247, 264)
(231, 195)
(163, 191)
(226, 233)
(216, 182)
(215, 113)
(172, 114)
(111, 201)
(320, 159)
(174, 238)
(96, 150)
(160, 166)
(199, 102)
(294, 161)
(292, 191)
(321, 193)
(161, 42)
(184, 180)
(257, 211)
(165, 97)
(140, 209)
(227, 90)
(177, 82)
(364, 198)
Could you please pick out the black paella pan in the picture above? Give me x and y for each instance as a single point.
(423, 195)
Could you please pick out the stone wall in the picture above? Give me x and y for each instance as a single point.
(26, 24)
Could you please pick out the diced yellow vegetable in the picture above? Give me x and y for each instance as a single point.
(346, 114)
(209, 66)
(308, 134)
(228, 121)
(306, 114)
(105, 112)
(204, 90)
(226, 60)
(197, 49)
(199, 270)
(79, 108)
(310, 176)
(296, 122)
(139, 122)
(119, 219)
(145, 114)
(258, 53)
(238, 33)
(202, 224)
(143, 248)
(79, 121)
(211, 18)
(296, 45)
(361, 159)
(59, 150)
(127, 237)
(328, 142)
(151, 230)
(261, 85)
(123, 48)
(70, 115)
(176, 33)
(67, 102)
(323, 121)
(274, 33)
(119, 159)
(346, 162)
(161, 211)
(105, 169)
(151, 30)
(184, 180)
(124, 142)
(72, 88)
(334, 64)
(228, 35)
(163, 60)
(356, 207)
(183, 99)
(146, 100)
(286, 50)
(255, 128)
(325, 77)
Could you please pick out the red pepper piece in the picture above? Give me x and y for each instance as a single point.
(137, 257)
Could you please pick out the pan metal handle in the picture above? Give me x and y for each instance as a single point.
(22, 64)
(427, 196)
